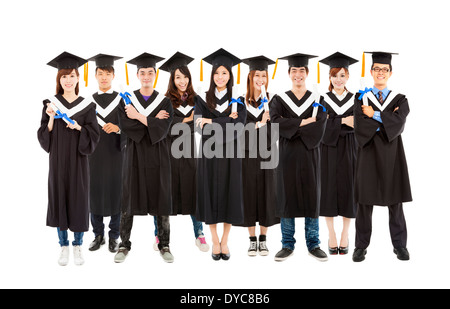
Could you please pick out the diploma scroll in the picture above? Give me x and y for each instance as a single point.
(264, 97)
(235, 95)
(364, 98)
(316, 94)
(61, 115)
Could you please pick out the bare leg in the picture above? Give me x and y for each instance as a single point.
(263, 230)
(332, 240)
(215, 239)
(251, 230)
(224, 240)
(344, 235)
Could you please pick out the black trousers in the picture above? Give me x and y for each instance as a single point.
(98, 227)
(397, 225)
(126, 224)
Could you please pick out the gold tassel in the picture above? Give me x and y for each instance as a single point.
(363, 65)
(156, 78)
(239, 74)
(201, 70)
(86, 72)
(318, 73)
(275, 69)
(126, 74)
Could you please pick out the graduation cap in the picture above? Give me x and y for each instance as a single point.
(145, 60)
(222, 57)
(102, 60)
(176, 61)
(338, 60)
(67, 61)
(260, 63)
(298, 60)
(381, 57)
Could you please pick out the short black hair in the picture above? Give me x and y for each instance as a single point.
(109, 69)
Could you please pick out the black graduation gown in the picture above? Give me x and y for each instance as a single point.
(146, 170)
(106, 162)
(184, 182)
(219, 180)
(338, 155)
(68, 176)
(298, 174)
(381, 169)
(259, 185)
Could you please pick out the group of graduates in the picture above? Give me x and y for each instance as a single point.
(124, 154)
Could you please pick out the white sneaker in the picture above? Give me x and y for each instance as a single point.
(155, 244)
(64, 256)
(200, 242)
(77, 255)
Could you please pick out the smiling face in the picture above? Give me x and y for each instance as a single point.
(380, 78)
(339, 80)
(181, 81)
(104, 79)
(298, 76)
(69, 81)
(221, 78)
(146, 76)
(259, 79)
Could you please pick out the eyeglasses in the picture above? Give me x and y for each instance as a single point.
(384, 70)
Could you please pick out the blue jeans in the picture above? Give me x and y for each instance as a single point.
(311, 233)
(198, 226)
(63, 238)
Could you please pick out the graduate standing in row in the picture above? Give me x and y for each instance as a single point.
(69, 133)
(338, 153)
(182, 161)
(219, 178)
(146, 121)
(381, 170)
(298, 174)
(106, 162)
(259, 184)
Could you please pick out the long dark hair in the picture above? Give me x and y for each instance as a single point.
(172, 91)
(210, 94)
(59, 88)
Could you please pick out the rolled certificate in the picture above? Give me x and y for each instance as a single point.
(60, 114)
(234, 95)
(316, 95)
(264, 96)
(362, 89)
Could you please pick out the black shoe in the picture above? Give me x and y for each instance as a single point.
(97, 243)
(318, 254)
(333, 251)
(224, 256)
(343, 250)
(113, 245)
(215, 256)
(359, 255)
(402, 253)
(283, 254)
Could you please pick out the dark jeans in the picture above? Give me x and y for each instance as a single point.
(311, 233)
(126, 224)
(99, 228)
(397, 225)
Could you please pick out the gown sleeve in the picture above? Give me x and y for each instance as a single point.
(90, 133)
(394, 122)
(43, 134)
(159, 128)
(311, 134)
(365, 127)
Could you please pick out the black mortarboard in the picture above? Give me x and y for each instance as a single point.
(102, 60)
(260, 63)
(67, 61)
(338, 60)
(298, 60)
(222, 57)
(145, 60)
(381, 57)
(176, 61)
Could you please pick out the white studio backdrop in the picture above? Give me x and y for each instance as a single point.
(33, 33)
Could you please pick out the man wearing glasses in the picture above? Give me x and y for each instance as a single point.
(381, 169)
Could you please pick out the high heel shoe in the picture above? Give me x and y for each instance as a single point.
(215, 256)
(224, 256)
(333, 251)
(343, 250)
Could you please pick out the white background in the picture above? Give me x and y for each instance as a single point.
(34, 32)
